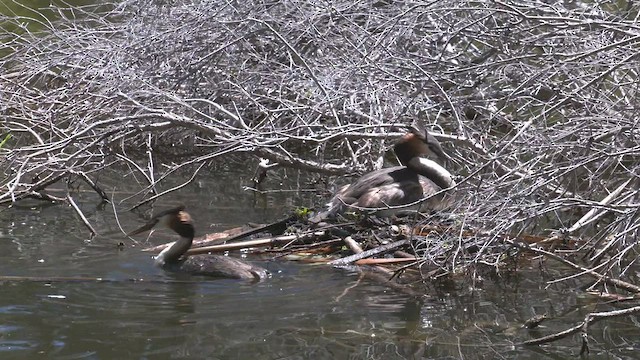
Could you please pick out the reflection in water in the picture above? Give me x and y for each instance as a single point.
(303, 311)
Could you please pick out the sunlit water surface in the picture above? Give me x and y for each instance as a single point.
(54, 305)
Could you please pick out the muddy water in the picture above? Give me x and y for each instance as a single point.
(53, 304)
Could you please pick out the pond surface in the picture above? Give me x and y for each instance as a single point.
(56, 307)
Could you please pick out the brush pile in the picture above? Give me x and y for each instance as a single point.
(537, 102)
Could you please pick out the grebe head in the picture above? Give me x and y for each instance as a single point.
(418, 143)
(176, 219)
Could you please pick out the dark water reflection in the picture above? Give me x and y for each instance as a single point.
(303, 312)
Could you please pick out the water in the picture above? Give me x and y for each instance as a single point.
(57, 308)
(65, 295)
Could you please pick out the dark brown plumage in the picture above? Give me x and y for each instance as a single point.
(384, 190)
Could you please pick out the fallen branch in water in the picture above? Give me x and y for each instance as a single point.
(92, 184)
(386, 261)
(270, 241)
(71, 279)
(81, 214)
(583, 327)
(377, 273)
(364, 254)
(355, 247)
(607, 279)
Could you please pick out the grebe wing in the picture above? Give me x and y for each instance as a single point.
(385, 187)
(393, 194)
(376, 179)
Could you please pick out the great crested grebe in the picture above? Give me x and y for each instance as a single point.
(173, 258)
(385, 191)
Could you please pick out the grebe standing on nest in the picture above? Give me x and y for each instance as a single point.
(418, 178)
(174, 258)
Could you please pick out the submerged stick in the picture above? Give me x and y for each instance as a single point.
(70, 279)
(607, 279)
(359, 254)
(79, 212)
(38, 196)
(385, 261)
(92, 184)
(589, 319)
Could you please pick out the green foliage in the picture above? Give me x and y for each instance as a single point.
(5, 140)
(303, 212)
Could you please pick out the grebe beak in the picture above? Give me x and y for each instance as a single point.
(434, 147)
(171, 217)
(146, 227)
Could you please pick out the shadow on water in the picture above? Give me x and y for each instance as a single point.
(303, 311)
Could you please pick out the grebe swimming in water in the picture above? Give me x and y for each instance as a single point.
(173, 258)
(418, 178)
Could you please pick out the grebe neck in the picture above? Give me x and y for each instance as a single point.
(404, 152)
(431, 170)
(172, 253)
